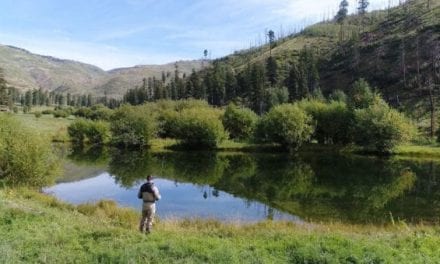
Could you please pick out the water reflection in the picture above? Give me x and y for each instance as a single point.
(318, 187)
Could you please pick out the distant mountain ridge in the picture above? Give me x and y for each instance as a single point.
(25, 70)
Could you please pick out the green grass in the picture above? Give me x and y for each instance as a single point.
(430, 151)
(47, 125)
(38, 229)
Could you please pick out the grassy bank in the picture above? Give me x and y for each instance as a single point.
(427, 151)
(37, 228)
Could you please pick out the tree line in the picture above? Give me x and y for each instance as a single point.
(259, 85)
(11, 97)
(361, 118)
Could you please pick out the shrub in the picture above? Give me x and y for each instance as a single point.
(61, 113)
(168, 112)
(335, 124)
(191, 103)
(133, 126)
(333, 121)
(77, 131)
(101, 113)
(276, 96)
(361, 95)
(239, 122)
(200, 129)
(96, 112)
(380, 128)
(94, 132)
(167, 123)
(37, 114)
(26, 109)
(286, 124)
(47, 112)
(26, 158)
(338, 95)
(85, 112)
(98, 132)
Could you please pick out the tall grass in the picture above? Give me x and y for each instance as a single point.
(36, 228)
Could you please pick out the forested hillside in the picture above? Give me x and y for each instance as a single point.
(396, 50)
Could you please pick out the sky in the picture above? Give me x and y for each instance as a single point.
(123, 33)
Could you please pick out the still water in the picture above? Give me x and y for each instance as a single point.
(251, 187)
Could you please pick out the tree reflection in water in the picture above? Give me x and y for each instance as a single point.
(318, 187)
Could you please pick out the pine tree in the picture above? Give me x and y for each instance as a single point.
(271, 35)
(231, 86)
(292, 83)
(341, 16)
(342, 12)
(4, 91)
(363, 5)
(28, 99)
(272, 71)
(258, 87)
(218, 84)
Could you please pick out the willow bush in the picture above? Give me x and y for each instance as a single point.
(333, 121)
(199, 128)
(133, 125)
(239, 122)
(286, 124)
(26, 157)
(380, 128)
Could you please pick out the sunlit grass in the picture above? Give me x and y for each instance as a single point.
(38, 228)
(418, 151)
(47, 125)
(162, 144)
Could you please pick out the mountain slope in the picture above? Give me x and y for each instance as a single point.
(25, 70)
(396, 50)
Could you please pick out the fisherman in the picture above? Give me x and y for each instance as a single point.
(149, 194)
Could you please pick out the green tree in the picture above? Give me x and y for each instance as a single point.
(362, 6)
(295, 82)
(239, 122)
(195, 87)
(4, 91)
(339, 96)
(132, 126)
(361, 95)
(26, 158)
(380, 128)
(287, 125)
(334, 120)
(341, 16)
(200, 129)
(231, 86)
(272, 70)
(276, 96)
(271, 36)
(258, 87)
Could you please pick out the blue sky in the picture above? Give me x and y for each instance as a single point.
(124, 33)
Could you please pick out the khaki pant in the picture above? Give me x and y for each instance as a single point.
(148, 212)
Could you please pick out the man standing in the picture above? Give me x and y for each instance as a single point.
(149, 194)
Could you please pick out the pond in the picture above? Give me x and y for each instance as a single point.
(318, 187)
